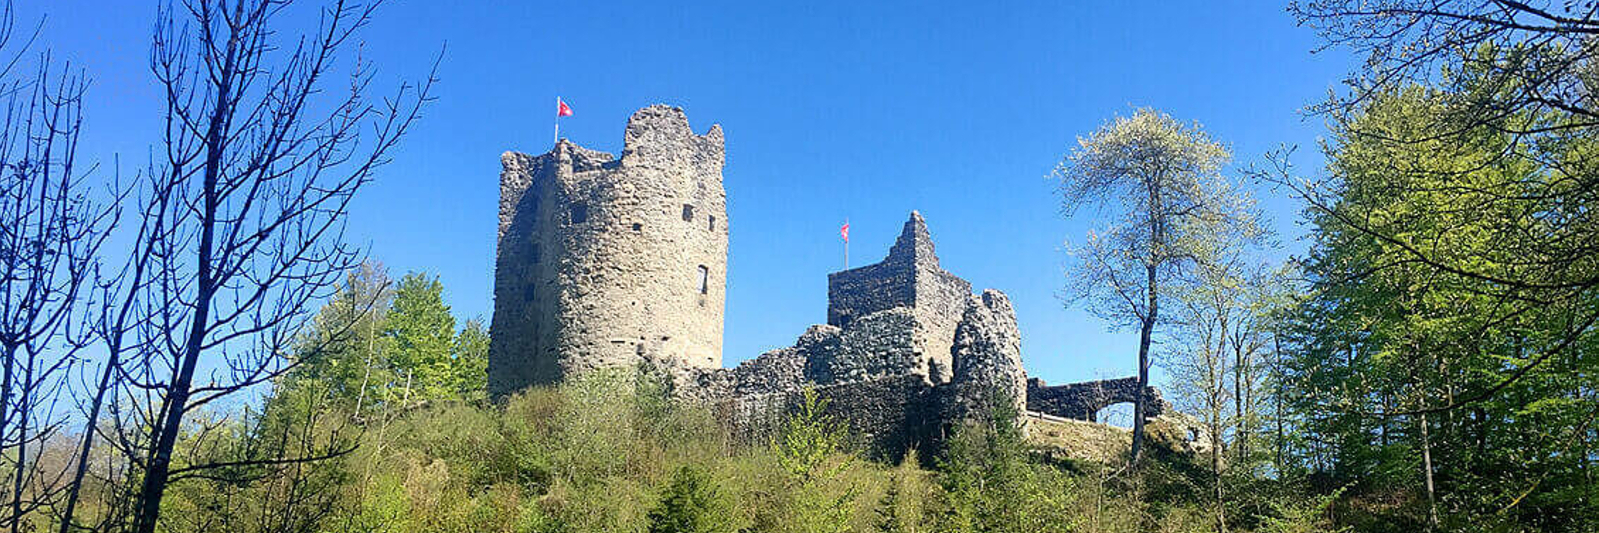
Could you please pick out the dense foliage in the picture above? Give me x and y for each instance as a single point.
(1476, 399)
(612, 453)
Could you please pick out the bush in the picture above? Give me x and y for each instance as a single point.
(693, 503)
(613, 452)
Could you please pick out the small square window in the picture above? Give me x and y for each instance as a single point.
(638, 227)
(688, 213)
(580, 213)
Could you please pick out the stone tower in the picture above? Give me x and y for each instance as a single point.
(604, 261)
(910, 278)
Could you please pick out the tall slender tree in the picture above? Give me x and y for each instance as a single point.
(1160, 183)
(52, 231)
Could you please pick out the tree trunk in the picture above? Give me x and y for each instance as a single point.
(82, 468)
(1215, 465)
(113, 358)
(1426, 464)
(177, 401)
(1277, 361)
(24, 408)
(1145, 334)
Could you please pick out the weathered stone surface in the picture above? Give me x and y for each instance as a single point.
(909, 277)
(602, 260)
(1082, 400)
(988, 357)
(875, 346)
(873, 364)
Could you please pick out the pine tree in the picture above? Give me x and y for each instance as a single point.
(692, 504)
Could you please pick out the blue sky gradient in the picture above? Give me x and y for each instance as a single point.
(832, 110)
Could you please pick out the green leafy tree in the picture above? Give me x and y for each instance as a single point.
(471, 364)
(1159, 183)
(423, 332)
(809, 449)
(1427, 358)
(344, 351)
(991, 484)
(1216, 366)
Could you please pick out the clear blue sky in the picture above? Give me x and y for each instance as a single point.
(832, 110)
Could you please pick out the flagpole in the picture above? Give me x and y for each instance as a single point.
(557, 122)
(846, 245)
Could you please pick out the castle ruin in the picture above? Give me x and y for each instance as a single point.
(605, 260)
(621, 261)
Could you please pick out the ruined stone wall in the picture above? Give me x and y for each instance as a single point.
(987, 353)
(603, 261)
(611, 261)
(1082, 401)
(870, 374)
(911, 278)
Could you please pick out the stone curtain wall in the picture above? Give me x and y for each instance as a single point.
(987, 354)
(605, 261)
(1082, 401)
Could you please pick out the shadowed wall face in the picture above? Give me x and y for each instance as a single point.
(604, 261)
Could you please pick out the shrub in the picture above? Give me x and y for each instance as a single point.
(693, 503)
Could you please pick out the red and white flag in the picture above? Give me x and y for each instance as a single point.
(561, 109)
(844, 231)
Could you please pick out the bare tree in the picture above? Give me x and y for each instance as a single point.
(51, 234)
(244, 208)
(1161, 182)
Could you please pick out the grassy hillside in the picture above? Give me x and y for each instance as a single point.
(609, 454)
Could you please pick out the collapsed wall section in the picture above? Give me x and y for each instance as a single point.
(869, 373)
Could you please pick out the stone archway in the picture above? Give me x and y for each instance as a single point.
(1082, 401)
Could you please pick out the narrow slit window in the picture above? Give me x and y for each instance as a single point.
(705, 280)
(580, 213)
(688, 213)
(711, 225)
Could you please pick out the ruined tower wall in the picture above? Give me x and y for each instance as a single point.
(910, 277)
(604, 261)
(988, 358)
